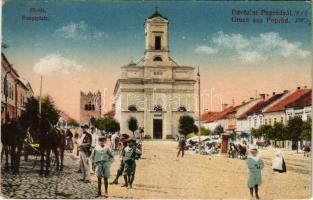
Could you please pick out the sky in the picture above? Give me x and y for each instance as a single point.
(83, 44)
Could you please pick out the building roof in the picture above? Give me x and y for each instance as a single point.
(220, 115)
(303, 101)
(288, 100)
(257, 108)
(156, 14)
(206, 116)
(65, 116)
(110, 113)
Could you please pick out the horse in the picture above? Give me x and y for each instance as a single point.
(242, 151)
(306, 150)
(50, 138)
(13, 134)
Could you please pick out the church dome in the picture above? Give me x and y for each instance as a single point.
(131, 64)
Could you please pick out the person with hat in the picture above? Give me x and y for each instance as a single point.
(84, 153)
(255, 166)
(102, 157)
(131, 154)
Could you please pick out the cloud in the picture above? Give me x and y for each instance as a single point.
(206, 50)
(259, 48)
(56, 63)
(79, 30)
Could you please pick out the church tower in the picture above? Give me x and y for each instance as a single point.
(156, 39)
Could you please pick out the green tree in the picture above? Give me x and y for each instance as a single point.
(218, 130)
(266, 131)
(93, 121)
(132, 124)
(256, 133)
(112, 125)
(294, 128)
(73, 122)
(205, 131)
(186, 125)
(48, 110)
(306, 133)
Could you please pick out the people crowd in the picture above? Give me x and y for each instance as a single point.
(96, 153)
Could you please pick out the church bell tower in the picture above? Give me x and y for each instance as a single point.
(156, 38)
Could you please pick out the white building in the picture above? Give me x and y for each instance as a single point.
(155, 90)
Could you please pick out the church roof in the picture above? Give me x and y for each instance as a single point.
(157, 14)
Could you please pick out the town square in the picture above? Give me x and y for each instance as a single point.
(166, 100)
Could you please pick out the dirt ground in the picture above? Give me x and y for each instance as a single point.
(160, 175)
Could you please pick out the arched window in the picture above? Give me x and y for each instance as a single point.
(92, 107)
(158, 108)
(182, 109)
(157, 58)
(86, 107)
(132, 108)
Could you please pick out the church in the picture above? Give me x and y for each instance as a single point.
(155, 90)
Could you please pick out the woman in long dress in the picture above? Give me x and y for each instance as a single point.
(279, 164)
(255, 166)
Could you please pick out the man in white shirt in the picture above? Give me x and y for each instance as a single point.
(94, 142)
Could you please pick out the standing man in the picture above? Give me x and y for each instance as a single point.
(94, 143)
(113, 139)
(181, 146)
(84, 153)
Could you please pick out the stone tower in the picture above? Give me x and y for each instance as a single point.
(90, 106)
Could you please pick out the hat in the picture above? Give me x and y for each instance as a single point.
(85, 126)
(130, 140)
(253, 148)
(92, 128)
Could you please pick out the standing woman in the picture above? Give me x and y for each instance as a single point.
(279, 164)
(255, 166)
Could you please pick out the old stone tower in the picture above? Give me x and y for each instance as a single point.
(90, 106)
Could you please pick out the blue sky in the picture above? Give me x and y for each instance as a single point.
(96, 38)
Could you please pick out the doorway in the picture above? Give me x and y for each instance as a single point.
(157, 128)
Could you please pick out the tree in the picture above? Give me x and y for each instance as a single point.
(73, 122)
(306, 133)
(265, 131)
(112, 125)
(48, 110)
(132, 124)
(205, 131)
(107, 124)
(232, 136)
(186, 125)
(93, 121)
(294, 128)
(256, 133)
(218, 130)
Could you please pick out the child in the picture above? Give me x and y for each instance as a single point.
(102, 157)
(131, 153)
(255, 165)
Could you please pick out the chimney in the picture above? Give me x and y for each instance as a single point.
(298, 88)
(274, 93)
(224, 106)
(267, 95)
(262, 96)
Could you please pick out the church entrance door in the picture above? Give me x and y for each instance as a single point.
(157, 129)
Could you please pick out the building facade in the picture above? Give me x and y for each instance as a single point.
(90, 106)
(14, 91)
(155, 90)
